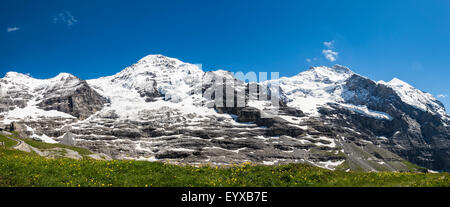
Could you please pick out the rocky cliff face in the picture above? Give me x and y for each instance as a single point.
(163, 109)
(81, 102)
(419, 136)
(64, 93)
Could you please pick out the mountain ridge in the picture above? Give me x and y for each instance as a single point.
(160, 59)
(152, 110)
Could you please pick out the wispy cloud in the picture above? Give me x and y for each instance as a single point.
(330, 55)
(442, 95)
(310, 60)
(328, 52)
(65, 17)
(12, 29)
(329, 44)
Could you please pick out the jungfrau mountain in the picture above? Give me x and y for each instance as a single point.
(156, 110)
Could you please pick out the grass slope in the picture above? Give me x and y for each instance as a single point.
(8, 142)
(43, 145)
(27, 169)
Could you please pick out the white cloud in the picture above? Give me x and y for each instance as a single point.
(12, 29)
(65, 17)
(330, 55)
(310, 60)
(329, 44)
(442, 95)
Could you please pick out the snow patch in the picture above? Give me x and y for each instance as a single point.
(367, 112)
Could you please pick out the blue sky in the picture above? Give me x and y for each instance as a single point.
(408, 39)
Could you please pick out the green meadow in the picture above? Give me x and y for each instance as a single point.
(23, 169)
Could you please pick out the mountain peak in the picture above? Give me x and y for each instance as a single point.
(399, 83)
(334, 69)
(64, 76)
(13, 74)
(341, 69)
(160, 60)
(158, 65)
(321, 73)
(18, 76)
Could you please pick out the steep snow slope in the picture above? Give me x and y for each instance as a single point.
(415, 97)
(153, 82)
(315, 87)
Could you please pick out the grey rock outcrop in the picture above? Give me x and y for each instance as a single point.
(68, 139)
(80, 102)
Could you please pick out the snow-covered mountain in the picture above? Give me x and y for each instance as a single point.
(415, 97)
(151, 83)
(156, 109)
(319, 86)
